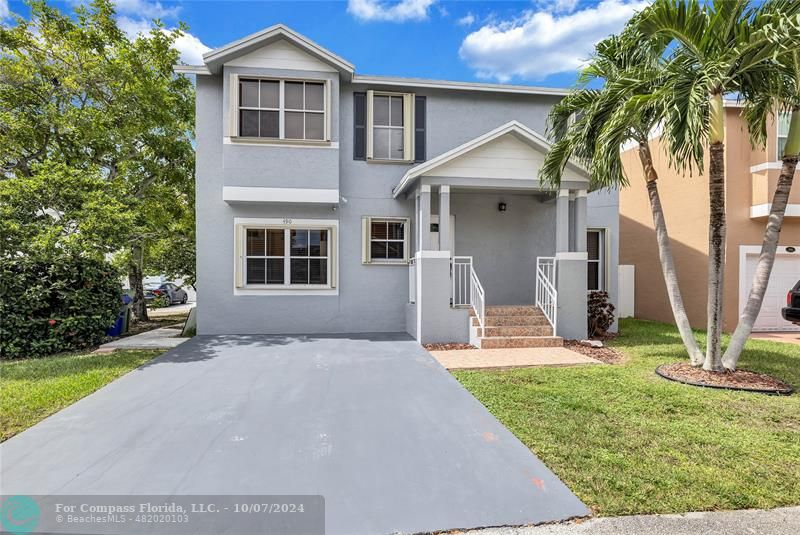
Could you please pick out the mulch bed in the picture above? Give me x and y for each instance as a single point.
(447, 347)
(683, 372)
(609, 355)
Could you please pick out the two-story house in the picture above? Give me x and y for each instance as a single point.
(333, 202)
(752, 175)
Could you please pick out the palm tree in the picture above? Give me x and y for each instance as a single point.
(590, 124)
(787, 98)
(711, 50)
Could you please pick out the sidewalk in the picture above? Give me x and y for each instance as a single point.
(163, 338)
(782, 521)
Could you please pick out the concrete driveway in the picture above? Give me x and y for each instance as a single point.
(371, 422)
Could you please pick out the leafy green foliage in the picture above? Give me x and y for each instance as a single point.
(98, 127)
(58, 303)
(600, 313)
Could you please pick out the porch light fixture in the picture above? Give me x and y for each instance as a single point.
(501, 207)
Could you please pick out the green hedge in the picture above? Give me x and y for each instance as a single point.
(55, 304)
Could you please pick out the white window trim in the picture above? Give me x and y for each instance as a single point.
(603, 261)
(239, 237)
(366, 241)
(408, 126)
(233, 94)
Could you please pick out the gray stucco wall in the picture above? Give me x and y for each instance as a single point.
(603, 212)
(504, 245)
(370, 297)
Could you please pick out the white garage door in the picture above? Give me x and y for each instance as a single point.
(785, 274)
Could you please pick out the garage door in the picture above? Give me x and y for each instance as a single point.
(785, 274)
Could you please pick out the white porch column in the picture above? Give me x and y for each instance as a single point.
(425, 217)
(444, 218)
(417, 223)
(562, 221)
(580, 221)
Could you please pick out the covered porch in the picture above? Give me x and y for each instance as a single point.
(496, 253)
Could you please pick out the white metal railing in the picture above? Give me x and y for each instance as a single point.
(460, 268)
(467, 288)
(412, 280)
(546, 294)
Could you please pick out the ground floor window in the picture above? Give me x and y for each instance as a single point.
(596, 247)
(286, 256)
(385, 240)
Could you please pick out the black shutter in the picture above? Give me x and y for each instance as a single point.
(419, 129)
(359, 126)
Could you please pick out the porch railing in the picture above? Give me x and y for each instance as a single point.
(467, 288)
(546, 294)
(412, 280)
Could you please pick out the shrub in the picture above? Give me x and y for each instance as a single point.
(601, 314)
(161, 301)
(61, 303)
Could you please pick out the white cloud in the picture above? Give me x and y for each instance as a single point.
(380, 10)
(565, 6)
(4, 11)
(143, 8)
(190, 47)
(466, 20)
(540, 42)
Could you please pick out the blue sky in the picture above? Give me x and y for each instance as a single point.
(536, 42)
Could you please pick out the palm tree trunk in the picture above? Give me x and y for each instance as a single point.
(768, 247)
(665, 255)
(716, 235)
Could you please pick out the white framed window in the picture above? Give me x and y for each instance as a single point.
(278, 255)
(272, 109)
(783, 133)
(390, 126)
(596, 264)
(385, 240)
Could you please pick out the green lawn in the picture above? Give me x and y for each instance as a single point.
(626, 441)
(33, 389)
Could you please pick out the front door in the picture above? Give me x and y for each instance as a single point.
(435, 245)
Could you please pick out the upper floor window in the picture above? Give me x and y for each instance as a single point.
(390, 126)
(783, 132)
(281, 109)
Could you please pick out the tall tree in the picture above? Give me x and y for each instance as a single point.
(78, 92)
(591, 124)
(761, 108)
(711, 50)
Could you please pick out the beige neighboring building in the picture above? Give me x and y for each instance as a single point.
(751, 179)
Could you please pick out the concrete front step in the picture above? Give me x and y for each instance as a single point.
(525, 330)
(500, 342)
(511, 321)
(510, 310)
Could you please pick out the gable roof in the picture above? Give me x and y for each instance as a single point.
(515, 128)
(216, 58)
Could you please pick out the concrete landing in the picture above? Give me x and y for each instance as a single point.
(460, 359)
(163, 338)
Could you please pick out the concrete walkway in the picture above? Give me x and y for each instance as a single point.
(785, 337)
(172, 310)
(163, 338)
(460, 359)
(783, 521)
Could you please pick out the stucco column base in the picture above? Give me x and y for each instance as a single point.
(437, 322)
(571, 286)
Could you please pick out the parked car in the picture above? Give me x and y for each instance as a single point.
(791, 312)
(173, 292)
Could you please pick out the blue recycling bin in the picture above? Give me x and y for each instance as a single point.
(121, 324)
